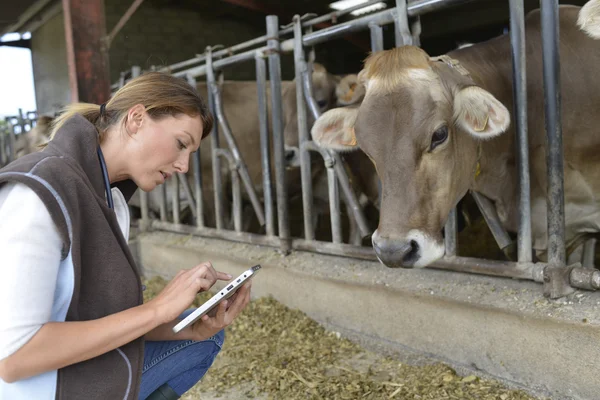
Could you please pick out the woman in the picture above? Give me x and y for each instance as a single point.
(73, 323)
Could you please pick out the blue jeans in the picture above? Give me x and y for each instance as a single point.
(179, 363)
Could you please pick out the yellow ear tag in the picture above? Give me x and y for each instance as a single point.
(352, 142)
(487, 117)
(477, 170)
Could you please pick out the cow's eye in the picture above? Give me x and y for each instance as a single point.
(438, 137)
(322, 103)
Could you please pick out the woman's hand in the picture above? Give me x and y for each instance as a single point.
(227, 311)
(177, 296)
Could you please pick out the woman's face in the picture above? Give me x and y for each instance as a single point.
(162, 147)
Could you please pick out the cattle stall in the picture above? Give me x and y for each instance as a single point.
(13, 126)
(270, 206)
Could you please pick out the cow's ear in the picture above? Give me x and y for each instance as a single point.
(589, 19)
(335, 129)
(479, 113)
(349, 90)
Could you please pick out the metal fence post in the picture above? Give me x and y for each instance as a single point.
(278, 140)
(263, 118)
(556, 276)
(303, 135)
(517, 40)
(216, 162)
(402, 32)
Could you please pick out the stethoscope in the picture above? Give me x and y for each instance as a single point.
(109, 197)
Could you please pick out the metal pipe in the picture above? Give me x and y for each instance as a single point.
(303, 135)
(414, 9)
(451, 233)
(197, 160)
(236, 189)
(415, 28)
(334, 204)
(175, 200)
(493, 221)
(163, 202)
(216, 164)
(202, 70)
(589, 253)
(263, 120)
(402, 33)
(517, 40)
(490, 267)
(239, 160)
(376, 37)
(189, 197)
(554, 153)
(278, 139)
(144, 208)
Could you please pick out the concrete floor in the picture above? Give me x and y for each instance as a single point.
(492, 327)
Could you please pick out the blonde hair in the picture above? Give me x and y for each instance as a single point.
(161, 94)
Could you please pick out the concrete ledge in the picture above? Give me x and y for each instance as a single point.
(494, 327)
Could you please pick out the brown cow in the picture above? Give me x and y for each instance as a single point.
(437, 129)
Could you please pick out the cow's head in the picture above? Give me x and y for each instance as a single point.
(421, 123)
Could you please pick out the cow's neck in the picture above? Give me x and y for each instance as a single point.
(495, 173)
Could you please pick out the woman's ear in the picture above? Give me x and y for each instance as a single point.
(135, 118)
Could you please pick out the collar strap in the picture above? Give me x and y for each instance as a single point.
(452, 63)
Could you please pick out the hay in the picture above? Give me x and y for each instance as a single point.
(273, 352)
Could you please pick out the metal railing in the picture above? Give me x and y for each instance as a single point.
(558, 279)
(12, 126)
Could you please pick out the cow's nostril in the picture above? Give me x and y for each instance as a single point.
(412, 254)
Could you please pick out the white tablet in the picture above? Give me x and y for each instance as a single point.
(214, 301)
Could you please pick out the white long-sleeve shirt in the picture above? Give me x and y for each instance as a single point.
(36, 285)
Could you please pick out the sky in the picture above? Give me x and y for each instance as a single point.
(16, 80)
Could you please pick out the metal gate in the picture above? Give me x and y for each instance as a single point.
(299, 38)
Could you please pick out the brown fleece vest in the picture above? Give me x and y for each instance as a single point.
(66, 175)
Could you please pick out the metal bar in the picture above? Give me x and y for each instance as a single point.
(263, 119)
(175, 199)
(589, 253)
(556, 279)
(554, 154)
(132, 8)
(235, 187)
(278, 140)
(334, 204)
(402, 33)
(376, 37)
(350, 197)
(493, 221)
(490, 267)
(198, 187)
(189, 197)
(12, 139)
(202, 70)
(303, 135)
(163, 202)
(451, 233)
(517, 40)
(414, 9)
(415, 28)
(239, 160)
(216, 164)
